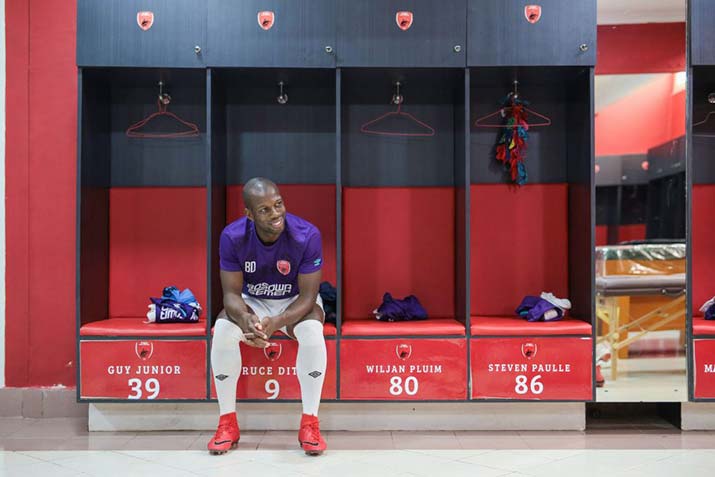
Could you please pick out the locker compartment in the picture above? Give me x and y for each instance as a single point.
(401, 169)
(412, 33)
(535, 237)
(142, 221)
(272, 33)
(147, 33)
(292, 143)
(519, 33)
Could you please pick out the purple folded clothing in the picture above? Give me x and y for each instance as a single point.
(534, 308)
(407, 309)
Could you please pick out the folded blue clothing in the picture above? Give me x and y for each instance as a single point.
(174, 307)
(407, 309)
(534, 308)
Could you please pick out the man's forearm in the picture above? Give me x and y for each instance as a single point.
(235, 306)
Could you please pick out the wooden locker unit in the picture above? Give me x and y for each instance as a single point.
(293, 144)
(399, 221)
(272, 33)
(561, 32)
(141, 227)
(532, 238)
(370, 35)
(394, 211)
(109, 33)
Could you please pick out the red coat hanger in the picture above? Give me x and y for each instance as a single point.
(162, 105)
(370, 126)
(502, 112)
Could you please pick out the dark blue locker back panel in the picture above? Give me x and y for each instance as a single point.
(291, 143)
(561, 94)
(431, 96)
(369, 35)
(702, 32)
(109, 34)
(122, 97)
(302, 33)
(501, 35)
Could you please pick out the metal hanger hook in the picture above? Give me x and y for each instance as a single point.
(164, 98)
(282, 97)
(397, 98)
(515, 93)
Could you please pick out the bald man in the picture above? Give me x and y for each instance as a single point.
(270, 273)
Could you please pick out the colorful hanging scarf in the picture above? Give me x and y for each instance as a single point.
(511, 148)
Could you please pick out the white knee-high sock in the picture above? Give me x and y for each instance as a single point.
(226, 363)
(311, 363)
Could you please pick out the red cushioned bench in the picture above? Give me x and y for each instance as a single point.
(515, 326)
(430, 327)
(702, 327)
(138, 327)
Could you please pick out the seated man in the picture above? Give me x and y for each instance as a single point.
(270, 273)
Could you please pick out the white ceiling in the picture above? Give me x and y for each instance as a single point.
(615, 12)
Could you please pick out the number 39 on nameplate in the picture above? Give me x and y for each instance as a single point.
(137, 388)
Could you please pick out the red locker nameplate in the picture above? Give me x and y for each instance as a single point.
(403, 369)
(143, 369)
(532, 368)
(270, 373)
(704, 379)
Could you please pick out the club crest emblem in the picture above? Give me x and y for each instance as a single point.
(532, 13)
(144, 349)
(145, 20)
(528, 350)
(404, 20)
(266, 19)
(273, 352)
(283, 266)
(403, 351)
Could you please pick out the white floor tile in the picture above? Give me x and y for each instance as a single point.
(13, 459)
(358, 463)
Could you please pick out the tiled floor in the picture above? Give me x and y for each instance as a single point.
(62, 447)
(646, 380)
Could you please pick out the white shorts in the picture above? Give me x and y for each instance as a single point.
(264, 308)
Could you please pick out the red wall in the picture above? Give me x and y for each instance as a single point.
(642, 48)
(40, 177)
(649, 116)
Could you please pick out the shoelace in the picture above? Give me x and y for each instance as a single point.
(224, 428)
(314, 430)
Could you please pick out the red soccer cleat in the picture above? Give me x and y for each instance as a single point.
(227, 435)
(309, 435)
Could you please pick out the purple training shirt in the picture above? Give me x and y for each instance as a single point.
(271, 271)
